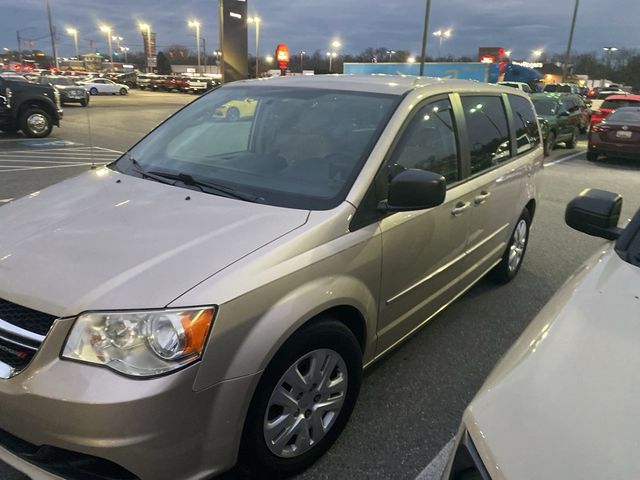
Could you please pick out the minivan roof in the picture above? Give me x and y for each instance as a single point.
(387, 84)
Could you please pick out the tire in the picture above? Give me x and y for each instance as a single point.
(550, 144)
(323, 339)
(93, 91)
(592, 155)
(574, 140)
(123, 91)
(507, 269)
(35, 123)
(233, 114)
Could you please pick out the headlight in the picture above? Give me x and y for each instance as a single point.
(140, 344)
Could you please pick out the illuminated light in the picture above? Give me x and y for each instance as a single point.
(122, 203)
(426, 117)
(235, 15)
(473, 110)
(411, 60)
(436, 109)
(479, 106)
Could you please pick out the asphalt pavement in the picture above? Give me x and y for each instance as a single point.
(411, 401)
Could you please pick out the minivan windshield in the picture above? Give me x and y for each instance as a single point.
(291, 147)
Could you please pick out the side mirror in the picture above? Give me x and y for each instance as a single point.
(414, 189)
(595, 212)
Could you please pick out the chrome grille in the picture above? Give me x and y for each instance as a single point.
(22, 331)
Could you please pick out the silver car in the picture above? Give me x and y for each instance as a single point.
(213, 296)
(561, 403)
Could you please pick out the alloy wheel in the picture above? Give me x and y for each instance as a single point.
(518, 244)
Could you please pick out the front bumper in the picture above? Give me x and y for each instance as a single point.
(158, 429)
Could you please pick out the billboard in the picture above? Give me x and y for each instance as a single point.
(482, 72)
(233, 40)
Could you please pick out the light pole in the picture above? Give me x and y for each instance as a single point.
(442, 34)
(145, 27)
(302, 54)
(256, 21)
(125, 50)
(331, 56)
(425, 35)
(390, 53)
(107, 31)
(196, 24)
(609, 51)
(74, 33)
(567, 56)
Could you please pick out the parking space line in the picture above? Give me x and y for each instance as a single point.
(436, 467)
(564, 159)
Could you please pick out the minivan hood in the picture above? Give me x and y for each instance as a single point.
(104, 240)
(563, 402)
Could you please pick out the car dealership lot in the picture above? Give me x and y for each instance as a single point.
(411, 401)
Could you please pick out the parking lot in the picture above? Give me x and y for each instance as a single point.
(411, 401)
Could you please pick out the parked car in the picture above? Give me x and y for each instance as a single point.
(69, 91)
(144, 81)
(561, 402)
(236, 109)
(611, 103)
(97, 86)
(197, 85)
(34, 109)
(519, 85)
(562, 88)
(563, 115)
(226, 282)
(178, 83)
(618, 135)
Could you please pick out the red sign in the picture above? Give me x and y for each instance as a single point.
(282, 56)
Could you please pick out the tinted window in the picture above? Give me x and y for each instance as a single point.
(525, 122)
(613, 104)
(625, 115)
(488, 132)
(429, 143)
(545, 107)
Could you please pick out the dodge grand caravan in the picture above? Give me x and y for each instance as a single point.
(212, 297)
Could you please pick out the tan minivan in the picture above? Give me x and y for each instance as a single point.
(212, 296)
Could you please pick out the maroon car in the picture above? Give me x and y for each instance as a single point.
(617, 136)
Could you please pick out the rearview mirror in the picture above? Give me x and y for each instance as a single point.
(595, 212)
(414, 189)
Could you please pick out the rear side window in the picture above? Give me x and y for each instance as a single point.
(488, 132)
(613, 104)
(525, 122)
(429, 142)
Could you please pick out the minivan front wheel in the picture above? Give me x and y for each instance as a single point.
(303, 401)
(513, 256)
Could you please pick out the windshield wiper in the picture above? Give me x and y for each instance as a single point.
(207, 187)
(187, 179)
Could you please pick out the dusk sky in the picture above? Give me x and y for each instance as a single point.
(308, 25)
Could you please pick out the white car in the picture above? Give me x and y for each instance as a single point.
(104, 85)
(561, 403)
(519, 85)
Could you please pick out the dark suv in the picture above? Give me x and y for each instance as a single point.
(69, 91)
(565, 115)
(27, 106)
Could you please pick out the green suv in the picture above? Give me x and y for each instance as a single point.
(562, 116)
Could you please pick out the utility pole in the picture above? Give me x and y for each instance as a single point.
(53, 36)
(204, 49)
(425, 35)
(19, 46)
(567, 56)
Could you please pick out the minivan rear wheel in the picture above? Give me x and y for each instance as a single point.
(303, 401)
(513, 256)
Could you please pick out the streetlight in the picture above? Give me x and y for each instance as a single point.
(336, 44)
(302, 54)
(145, 27)
(507, 53)
(331, 56)
(567, 55)
(536, 54)
(609, 51)
(107, 30)
(268, 59)
(411, 60)
(442, 34)
(256, 21)
(391, 53)
(125, 50)
(74, 33)
(196, 24)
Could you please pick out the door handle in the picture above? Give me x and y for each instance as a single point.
(480, 199)
(460, 208)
